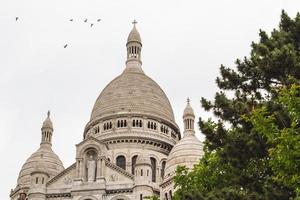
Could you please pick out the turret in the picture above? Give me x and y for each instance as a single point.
(143, 176)
(47, 131)
(134, 49)
(39, 178)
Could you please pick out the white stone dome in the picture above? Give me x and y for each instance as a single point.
(44, 156)
(133, 92)
(186, 152)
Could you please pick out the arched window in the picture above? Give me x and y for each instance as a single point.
(170, 194)
(133, 162)
(121, 162)
(36, 180)
(153, 166)
(163, 166)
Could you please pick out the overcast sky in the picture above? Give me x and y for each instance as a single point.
(184, 43)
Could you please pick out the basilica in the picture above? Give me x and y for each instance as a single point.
(130, 148)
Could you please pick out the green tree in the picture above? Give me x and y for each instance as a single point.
(236, 162)
(285, 141)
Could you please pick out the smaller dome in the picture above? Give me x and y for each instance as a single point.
(186, 152)
(134, 35)
(47, 123)
(43, 160)
(188, 111)
(143, 159)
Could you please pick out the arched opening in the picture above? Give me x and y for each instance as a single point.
(121, 162)
(133, 162)
(163, 167)
(153, 167)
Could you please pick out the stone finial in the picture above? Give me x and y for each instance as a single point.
(47, 123)
(188, 111)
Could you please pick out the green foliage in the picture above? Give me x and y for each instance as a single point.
(250, 159)
(285, 151)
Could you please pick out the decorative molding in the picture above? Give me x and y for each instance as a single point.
(166, 182)
(118, 169)
(58, 195)
(117, 191)
(56, 178)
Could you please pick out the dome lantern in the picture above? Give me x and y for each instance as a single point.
(134, 48)
(188, 119)
(47, 131)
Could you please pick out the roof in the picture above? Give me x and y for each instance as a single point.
(134, 36)
(186, 152)
(133, 92)
(44, 156)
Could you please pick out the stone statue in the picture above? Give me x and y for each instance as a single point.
(91, 169)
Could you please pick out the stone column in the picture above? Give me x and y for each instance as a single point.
(98, 171)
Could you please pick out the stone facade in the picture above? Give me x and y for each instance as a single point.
(130, 148)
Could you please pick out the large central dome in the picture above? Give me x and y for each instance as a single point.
(135, 93)
(130, 98)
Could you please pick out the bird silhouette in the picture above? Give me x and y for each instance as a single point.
(17, 18)
(85, 20)
(98, 20)
(92, 25)
(65, 46)
(71, 20)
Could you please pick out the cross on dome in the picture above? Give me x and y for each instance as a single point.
(134, 22)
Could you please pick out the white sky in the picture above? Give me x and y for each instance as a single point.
(184, 43)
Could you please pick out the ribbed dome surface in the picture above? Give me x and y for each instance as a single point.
(188, 111)
(134, 36)
(44, 156)
(186, 152)
(48, 123)
(133, 92)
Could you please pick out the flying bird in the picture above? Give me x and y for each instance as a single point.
(92, 25)
(71, 20)
(17, 18)
(98, 20)
(65, 46)
(85, 20)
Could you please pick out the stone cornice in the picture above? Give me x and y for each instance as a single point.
(118, 169)
(157, 118)
(55, 178)
(58, 195)
(17, 189)
(128, 190)
(166, 182)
